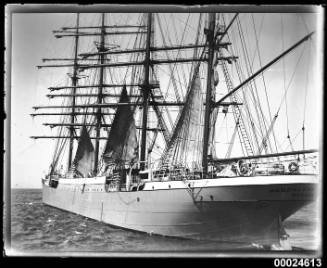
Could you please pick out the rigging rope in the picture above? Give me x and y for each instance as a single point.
(263, 80)
(181, 42)
(249, 135)
(252, 87)
(172, 69)
(230, 147)
(288, 87)
(305, 96)
(187, 124)
(283, 61)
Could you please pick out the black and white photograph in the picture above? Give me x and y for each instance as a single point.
(163, 131)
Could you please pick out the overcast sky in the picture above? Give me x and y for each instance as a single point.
(32, 40)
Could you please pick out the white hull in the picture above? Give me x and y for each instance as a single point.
(242, 209)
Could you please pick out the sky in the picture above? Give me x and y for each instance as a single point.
(32, 39)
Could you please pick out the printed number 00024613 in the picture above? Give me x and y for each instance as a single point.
(297, 262)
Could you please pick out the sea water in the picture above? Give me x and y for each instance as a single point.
(39, 228)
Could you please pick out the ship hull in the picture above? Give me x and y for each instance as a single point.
(235, 213)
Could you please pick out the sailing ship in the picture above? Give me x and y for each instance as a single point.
(116, 116)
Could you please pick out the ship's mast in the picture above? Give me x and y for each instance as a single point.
(74, 84)
(213, 42)
(146, 89)
(99, 100)
(208, 103)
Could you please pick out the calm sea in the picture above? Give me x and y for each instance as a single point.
(38, 228)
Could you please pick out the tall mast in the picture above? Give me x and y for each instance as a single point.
(146, 89)
(100, 96)
(208, 106)
(74, 84)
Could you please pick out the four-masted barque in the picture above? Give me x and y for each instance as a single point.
(115, 114)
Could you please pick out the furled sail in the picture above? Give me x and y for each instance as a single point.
(185, 145)
(122, 145)
(214, 113)
(84, 158)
